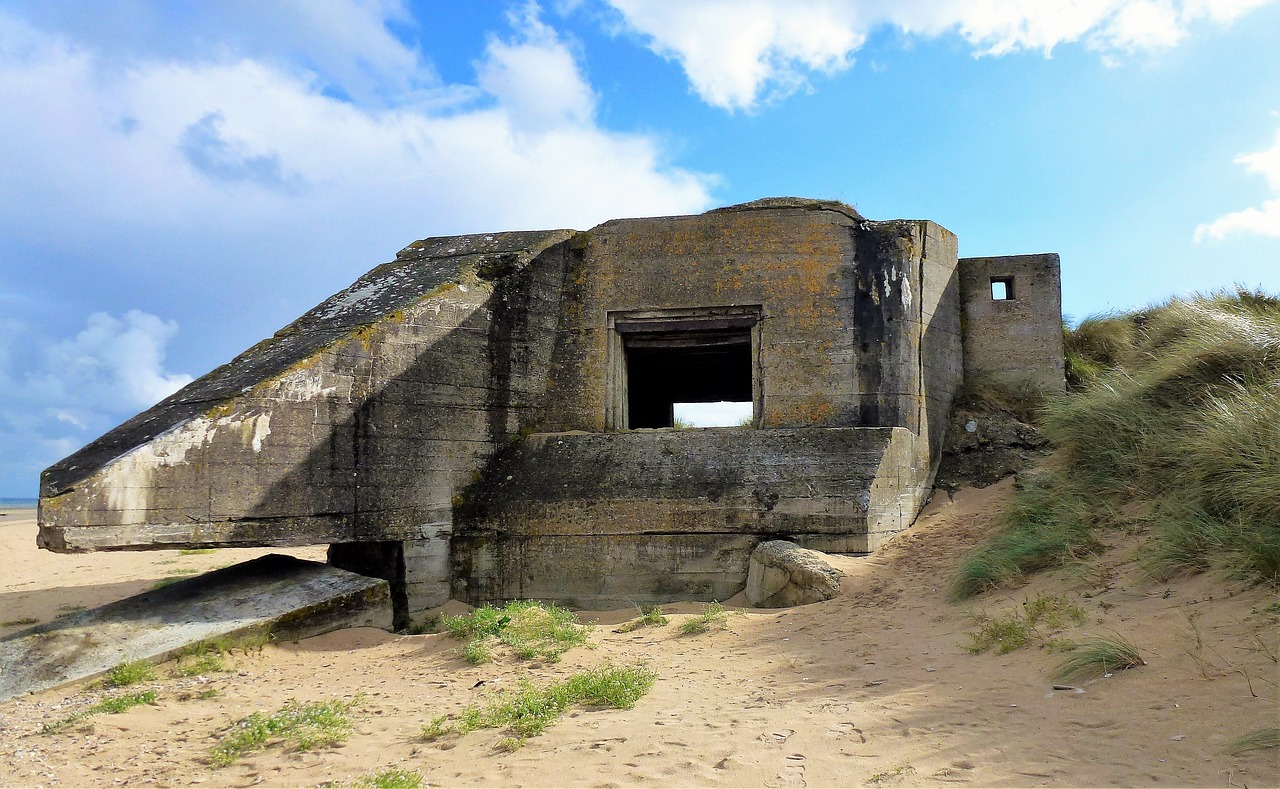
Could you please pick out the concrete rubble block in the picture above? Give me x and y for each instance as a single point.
(781, 574)
(281, 595)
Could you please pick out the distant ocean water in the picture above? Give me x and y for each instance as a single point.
(16, 504)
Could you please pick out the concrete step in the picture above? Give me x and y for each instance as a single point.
(285, 596)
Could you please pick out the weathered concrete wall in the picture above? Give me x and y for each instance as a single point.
(1018, 338)
(603, 520)
(839, 296)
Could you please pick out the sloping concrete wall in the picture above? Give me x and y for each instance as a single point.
(353, 425)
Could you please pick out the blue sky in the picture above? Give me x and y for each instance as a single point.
(177, 181)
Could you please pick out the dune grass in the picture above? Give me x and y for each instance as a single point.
(1020, 627)
(529, 629)
(528, 710)
(391, 778)
(713, 616)
(1261, 739)
(650, 616)
(130, 673)
(112, 705)
(1097, 656)
(1177, 406)
(304, 726)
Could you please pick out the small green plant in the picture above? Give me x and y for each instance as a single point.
(437, 728)
(1268, 737)
(528, 710)
(1052, 610)
(713, 616)
(26, 620)
(650, 616)
(131, 673)
(682, 424)
(528, 628)
(115, 705)
(1097, 656)
(162, 583)
(305, 726)
(897, 772)
(1003, 633)
(477, 651)
(195, 551)
(207, 693)
(199, 664)
(509, 744)
(112, 705)
(391, 778)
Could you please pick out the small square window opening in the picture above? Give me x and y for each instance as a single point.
(1002, 288)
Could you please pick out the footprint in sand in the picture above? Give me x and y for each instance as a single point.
(841, 730)
(777, 737)
(792, 774)
(607, 744)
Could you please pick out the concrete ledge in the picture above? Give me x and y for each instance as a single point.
(288, 597)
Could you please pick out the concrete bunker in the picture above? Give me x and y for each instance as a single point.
(483, 418)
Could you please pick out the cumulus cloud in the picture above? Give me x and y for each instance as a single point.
(1260, 220)
(168, 138)
(114, 365)
(70, 390)
(240, 147)
(739, 53)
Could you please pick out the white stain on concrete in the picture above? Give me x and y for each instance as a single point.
(261, 429)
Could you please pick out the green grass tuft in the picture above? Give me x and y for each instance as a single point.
(530, 630)
(1097, 656)
(131, 673)
(391, 778)
(529, 710)
(26, 620)
(437, 728)
(1019, 627)
(197, 665)
(304, 726)
(112, 705)
(713, 616)
(650, 616)
(195, 551)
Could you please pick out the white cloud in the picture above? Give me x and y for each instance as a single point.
(739, 53)
(115, 365)
(1262, 220)
(236, 142)
(343, 44)
(73, 389)
(265, 154)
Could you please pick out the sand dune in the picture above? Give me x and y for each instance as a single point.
(874, 687)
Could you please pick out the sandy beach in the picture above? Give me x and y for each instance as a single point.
(873, 688)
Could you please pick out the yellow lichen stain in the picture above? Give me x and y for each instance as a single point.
(812, 411)
(220, 410)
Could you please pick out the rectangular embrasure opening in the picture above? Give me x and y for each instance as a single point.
(686, 370)
(1002, 288)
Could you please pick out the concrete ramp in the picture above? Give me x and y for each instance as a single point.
(289, 597)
